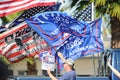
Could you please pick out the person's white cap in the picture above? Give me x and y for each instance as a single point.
(69, 61)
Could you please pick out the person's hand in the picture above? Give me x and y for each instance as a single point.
(61, 56)
(108, 63)
(48, 70)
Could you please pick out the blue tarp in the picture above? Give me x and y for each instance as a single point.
(115, 62)
(44, 78)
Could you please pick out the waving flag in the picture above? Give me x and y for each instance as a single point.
(77, 47)
(47, 26)
(32, 11)
(55, 27)
(19, 42)
(52, 26)
(26, 41)
(10, 6)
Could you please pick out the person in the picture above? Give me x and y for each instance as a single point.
(4, 72)
(115, 71)
(9, 39)
(70, 73)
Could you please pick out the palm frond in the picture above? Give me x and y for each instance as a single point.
(110, 7)
(10, 17)
(115, 12)
(30, 60)
(4, 60)
(74, 2)
(100, 2)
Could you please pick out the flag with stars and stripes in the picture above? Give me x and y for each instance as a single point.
(26, 42)
(20, 42)
(11, 6)
(87, 14)
(32, 11)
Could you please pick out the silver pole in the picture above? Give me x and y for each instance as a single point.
(94, 65)
(93, 18)
(56, 71)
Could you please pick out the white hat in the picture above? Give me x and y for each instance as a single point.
(69, 61)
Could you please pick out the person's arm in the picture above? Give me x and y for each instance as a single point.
(61, 56)
(115, 71)
(51, 75)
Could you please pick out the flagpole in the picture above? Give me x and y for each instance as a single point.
(94, 64)
(93, 18)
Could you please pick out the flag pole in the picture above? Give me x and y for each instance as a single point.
(93, 18)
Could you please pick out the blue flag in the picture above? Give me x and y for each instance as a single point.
(56, 26)
(73, 38)
(77, 47)
(48, 24)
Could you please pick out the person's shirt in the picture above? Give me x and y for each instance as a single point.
(71, 75)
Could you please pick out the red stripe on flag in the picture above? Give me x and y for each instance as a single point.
(16, 54)
(40, 29)
(27, 39)
(19, 59)
(2, 44)
(31, 46)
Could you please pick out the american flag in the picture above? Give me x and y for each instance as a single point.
(11, 6)
(32, 11)
(86, 14)
(20, 42)
(30, 41)
(8, 46)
